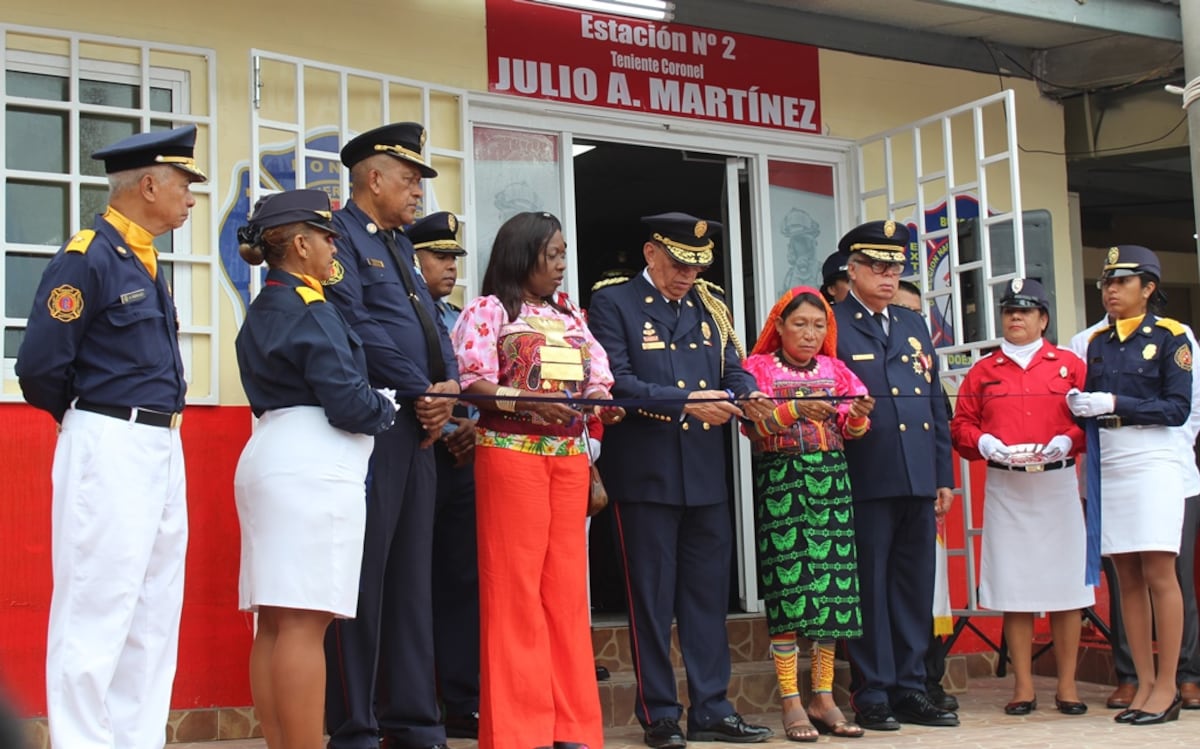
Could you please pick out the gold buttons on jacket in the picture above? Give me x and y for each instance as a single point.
(685, 426)
(672, 347)
(917, 391)
(649, 299)
(895, 391)
(681, 383)
(706, 426)
(692, 345)
(926, 425)
(904, 358)
(702, 384)
(904, 427)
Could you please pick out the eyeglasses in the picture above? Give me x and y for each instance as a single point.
(882, 268)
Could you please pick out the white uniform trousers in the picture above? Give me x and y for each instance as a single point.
(119, 535)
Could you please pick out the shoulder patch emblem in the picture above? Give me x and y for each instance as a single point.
(80, 242)
(1183, 358)
(338, 274)
(309, 295)
(1174, 326)
(66, 303)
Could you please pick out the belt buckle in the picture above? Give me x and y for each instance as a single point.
(1034, 468)
(1109, 421)
(176, 419)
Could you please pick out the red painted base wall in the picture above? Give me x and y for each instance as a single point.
(215, 637)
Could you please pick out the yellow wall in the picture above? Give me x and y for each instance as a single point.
(443, 42)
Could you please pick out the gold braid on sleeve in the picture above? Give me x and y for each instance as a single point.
(722, 317)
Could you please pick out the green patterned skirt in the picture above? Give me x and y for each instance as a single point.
(808, 573)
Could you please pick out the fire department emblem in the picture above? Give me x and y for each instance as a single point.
(65, 303)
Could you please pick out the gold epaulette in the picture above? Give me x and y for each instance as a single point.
(80, 242)
(710, 286)
(309, 295)
(1170, 324)
(606, 282)
(1105, 329)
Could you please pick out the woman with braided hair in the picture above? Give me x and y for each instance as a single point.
(807, 569)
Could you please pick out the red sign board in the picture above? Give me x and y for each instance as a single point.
(544, 52)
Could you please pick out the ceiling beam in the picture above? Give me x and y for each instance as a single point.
(1154, 20)
(850, 35)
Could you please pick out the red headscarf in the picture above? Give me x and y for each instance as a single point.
(769, 340)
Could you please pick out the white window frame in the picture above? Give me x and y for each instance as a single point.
(73, 68)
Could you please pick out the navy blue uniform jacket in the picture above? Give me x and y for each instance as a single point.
(101, 330)
(907, 451)
(370, 294)
(1150, 372)
(296, 350)
(652, 456)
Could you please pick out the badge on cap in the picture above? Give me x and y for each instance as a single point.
(452, 223)
(65, 303)
(1113, 255)
(1017, 285)
(701, 228)
(889, 228)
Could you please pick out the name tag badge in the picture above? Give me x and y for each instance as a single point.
(133, 296)
(862, 357)
(653, 345)
(375, 262)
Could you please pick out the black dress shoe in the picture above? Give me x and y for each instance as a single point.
(1143, 718)
(664, 733)
(915, 707)
(731, 728)
(876, 718)
(1021, 707)
(1069, 708)
(569, 745)
(602, 673)
(1126, 716)
(938, 696)
(462, 726)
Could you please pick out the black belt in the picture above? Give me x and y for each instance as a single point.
(1033, 467)
(1109, 421)
(136, 415)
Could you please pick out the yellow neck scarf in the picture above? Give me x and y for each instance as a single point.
(1125, 328)
(139, 239)
(311, 283)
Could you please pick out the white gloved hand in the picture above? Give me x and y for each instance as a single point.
(390, 394)
(1057, 448)
(993, 449)
(1087, 405)
(594, 447)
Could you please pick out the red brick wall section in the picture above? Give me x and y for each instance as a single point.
(215, 638)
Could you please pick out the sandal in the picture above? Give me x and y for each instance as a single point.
(797, 727)
(834, 723)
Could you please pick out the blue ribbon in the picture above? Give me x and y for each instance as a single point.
(1092, 491)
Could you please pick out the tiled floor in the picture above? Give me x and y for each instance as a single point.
(984, 726)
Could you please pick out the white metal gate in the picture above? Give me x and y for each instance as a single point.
(309, 109)
(926, 174)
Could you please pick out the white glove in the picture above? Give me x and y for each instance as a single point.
(390, 394)
(594, 447)
(1057, 448)
(1087, 405)
(993, 449)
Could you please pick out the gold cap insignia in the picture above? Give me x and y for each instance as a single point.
(1149, 352)
(424, 135)
(65, 303)
(451, 223)
(889, 228)
(701, 228)
(1017, 285)
(1114, 254)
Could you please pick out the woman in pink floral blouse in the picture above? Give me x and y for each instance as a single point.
(530, 352)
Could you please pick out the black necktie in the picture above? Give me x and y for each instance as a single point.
(879, 319)
(674, 306)
(433, 346)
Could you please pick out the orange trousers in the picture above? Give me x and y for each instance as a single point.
(537, 668)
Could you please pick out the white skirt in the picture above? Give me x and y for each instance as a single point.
(1034, 543)
(301, 502)
(1141, 489)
